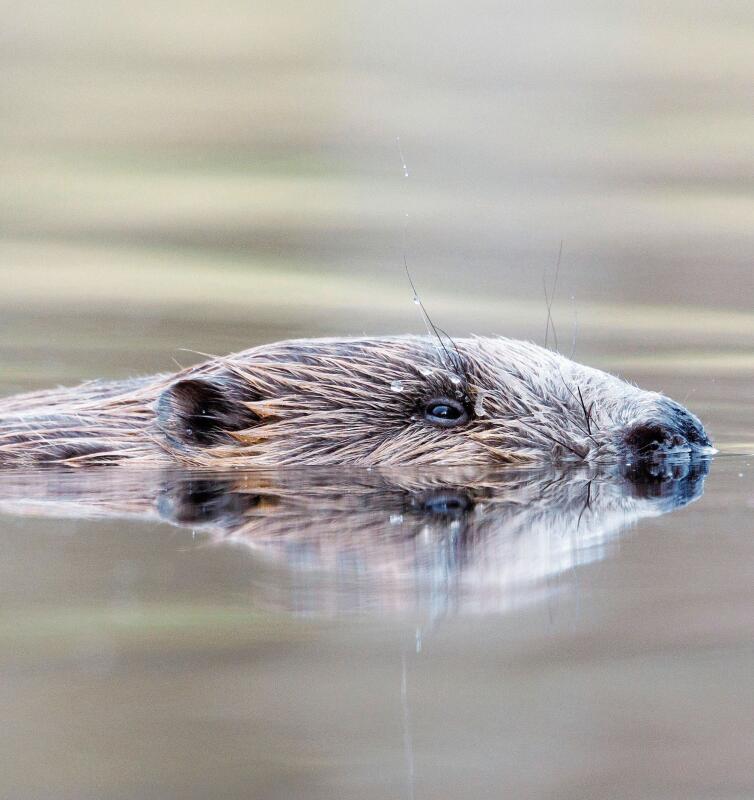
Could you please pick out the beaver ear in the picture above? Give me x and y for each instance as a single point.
(199, 412)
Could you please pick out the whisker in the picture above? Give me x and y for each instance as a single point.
(431, 327)
(575, 330)
(549, 300)
(455, 346)
(567, 447)
(429, 324)
(587, 414)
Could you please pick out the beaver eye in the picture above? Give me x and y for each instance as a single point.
(445, 413)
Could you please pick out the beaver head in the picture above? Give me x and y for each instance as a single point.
(414, 400)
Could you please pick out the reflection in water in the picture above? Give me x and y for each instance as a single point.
(460, 539)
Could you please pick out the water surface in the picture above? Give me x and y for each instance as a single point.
(191, 178)
(382, 633)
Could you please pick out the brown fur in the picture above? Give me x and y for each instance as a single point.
(350, 401)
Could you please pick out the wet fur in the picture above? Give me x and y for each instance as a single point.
(339, 401)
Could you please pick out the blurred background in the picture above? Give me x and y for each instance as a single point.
(183, 177)
(209, 176)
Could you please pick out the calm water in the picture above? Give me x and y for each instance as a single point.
(383, 634)
(181, 177)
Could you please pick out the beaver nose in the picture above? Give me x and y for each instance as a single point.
(647, 438)
(673, 430)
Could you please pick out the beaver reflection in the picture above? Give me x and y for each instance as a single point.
(472, 536)
(231, 503)
(500, 527)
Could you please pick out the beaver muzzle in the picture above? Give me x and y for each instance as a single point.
(674, 431)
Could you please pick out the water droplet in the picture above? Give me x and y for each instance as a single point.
(425, 371)
(396, 519)
(416, 301)
(479, 404)
(396, 386)
(455, 380)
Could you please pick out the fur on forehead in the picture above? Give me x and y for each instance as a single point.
(362, 400)
(351, 370)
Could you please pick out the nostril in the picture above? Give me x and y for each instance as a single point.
(648, 437)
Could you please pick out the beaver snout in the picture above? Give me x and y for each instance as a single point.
(673, 430)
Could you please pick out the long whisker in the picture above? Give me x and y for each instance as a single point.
(549, 300)
(587, 414)
(431, 327)
(580, 399)
(567, 447)
(429, 324)
(455, 346)
(575, 332)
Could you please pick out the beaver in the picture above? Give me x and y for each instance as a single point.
(358, 401)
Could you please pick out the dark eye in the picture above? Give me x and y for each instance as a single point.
(445, 413)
